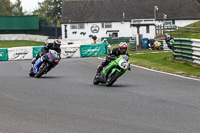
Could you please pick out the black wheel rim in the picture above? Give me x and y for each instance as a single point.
(110, 76)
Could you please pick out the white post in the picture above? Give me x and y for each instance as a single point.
(155, 9)
(137, 39)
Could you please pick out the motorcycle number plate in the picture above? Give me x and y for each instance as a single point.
(123, 64)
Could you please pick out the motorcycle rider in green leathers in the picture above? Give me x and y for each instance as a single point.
(121, 50)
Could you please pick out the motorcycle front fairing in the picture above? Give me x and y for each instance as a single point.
(123, 63)
(37, 64)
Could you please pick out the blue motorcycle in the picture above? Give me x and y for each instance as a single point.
(44, 64)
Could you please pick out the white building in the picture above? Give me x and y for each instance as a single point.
(116, 18)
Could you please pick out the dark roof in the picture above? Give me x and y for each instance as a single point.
(112, 10)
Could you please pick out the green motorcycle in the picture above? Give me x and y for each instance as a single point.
(113, 71)
(171, 44)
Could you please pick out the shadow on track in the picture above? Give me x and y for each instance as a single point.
(117, 85)
(47, 77)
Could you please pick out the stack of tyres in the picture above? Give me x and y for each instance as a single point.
(132, 45)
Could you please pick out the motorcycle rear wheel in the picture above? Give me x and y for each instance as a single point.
(112, 78)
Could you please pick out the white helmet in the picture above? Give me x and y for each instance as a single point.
(123, 47)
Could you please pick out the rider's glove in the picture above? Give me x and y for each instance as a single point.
(112, 57)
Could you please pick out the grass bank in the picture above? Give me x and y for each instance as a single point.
(9, 44)
(189, 31)
(165, 62)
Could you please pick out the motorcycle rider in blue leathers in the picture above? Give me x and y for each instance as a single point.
(54, 46)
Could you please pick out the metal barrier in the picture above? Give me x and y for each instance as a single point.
(187, 49)
(116, 40)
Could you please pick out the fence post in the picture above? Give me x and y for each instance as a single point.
(56, 29)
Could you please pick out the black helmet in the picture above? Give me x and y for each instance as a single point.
(123, 47)
(56, 44)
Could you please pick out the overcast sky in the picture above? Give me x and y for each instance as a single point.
(29, 5)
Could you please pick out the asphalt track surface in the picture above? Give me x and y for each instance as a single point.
(66, 101)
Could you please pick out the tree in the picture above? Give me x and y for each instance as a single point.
(18, 9)
(5, 8)
(49, 9)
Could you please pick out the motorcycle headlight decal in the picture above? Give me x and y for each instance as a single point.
(123, 64)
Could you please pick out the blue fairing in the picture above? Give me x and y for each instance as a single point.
(37, 64)
(50, 57)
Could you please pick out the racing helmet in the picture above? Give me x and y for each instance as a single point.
(123, 47)
(56, 44)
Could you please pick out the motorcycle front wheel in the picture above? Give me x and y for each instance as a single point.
(41, 71)
(112, 77)
(31, 74)
(95, 81)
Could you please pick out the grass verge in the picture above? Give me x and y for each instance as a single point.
(165, 62)
(162, 61)
(9, 44)
(189, 31)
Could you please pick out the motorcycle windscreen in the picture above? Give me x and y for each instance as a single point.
(52, 55)
(125, 57)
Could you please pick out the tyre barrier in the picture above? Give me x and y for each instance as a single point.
(187, 49)
(67, 51)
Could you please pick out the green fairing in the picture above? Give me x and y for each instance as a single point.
(112, 64)
(109, 66)
(172, 42)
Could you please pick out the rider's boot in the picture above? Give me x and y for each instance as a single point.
(99, 69)
(33, 61)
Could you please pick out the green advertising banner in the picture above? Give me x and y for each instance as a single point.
(19, 23)
(3, 54)
(94, 49)
(36, 50)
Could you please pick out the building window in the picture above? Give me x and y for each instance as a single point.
(173, 21)
(77, 26)
(106, 25)
(81, 26)
(74, 26)
(168, 22)
(147, 29)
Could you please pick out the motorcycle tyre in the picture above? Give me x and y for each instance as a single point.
(116, 75)
(41, 72)
(31, 74)
(95, 81)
